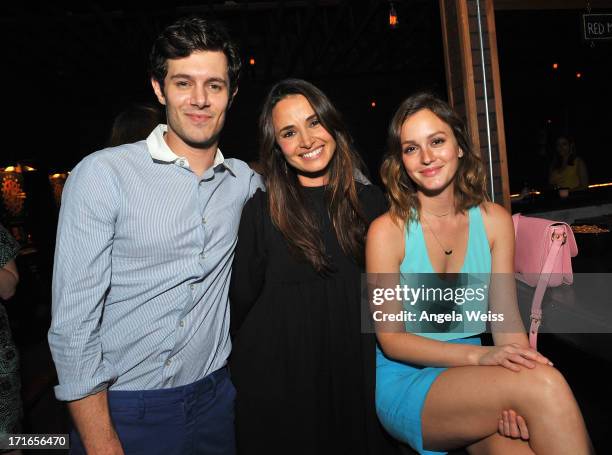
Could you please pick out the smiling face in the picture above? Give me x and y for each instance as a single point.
(430, 152)
(196, 95)
(305, 144)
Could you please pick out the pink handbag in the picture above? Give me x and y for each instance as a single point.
(542, 258)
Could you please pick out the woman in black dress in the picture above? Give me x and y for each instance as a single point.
(303, 370)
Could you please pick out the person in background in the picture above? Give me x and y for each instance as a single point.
(439, 391)
(568, 170)
(135, 124)
(140, 328)
(10, 400)
(304, 372)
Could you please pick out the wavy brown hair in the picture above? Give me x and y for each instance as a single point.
(470, 180)
(288, 208)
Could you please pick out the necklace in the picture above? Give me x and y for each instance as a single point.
(435, 214)
(447, 252)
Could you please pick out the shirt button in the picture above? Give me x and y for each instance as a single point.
(203, 220)
(180, 162)
(168, 362)
(182, 324)
(192, 286)
(202, 255)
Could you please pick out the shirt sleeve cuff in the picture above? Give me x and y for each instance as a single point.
(76, 391)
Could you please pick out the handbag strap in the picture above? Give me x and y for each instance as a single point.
(515, 222)
(559, 237)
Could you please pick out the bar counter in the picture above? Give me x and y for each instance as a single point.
(578, 205)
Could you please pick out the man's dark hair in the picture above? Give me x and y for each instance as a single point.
(189, 35)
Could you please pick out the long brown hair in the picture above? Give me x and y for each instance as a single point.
(288, 208)
(470, 180)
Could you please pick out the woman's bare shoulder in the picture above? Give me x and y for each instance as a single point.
(385, 244)
(386, 227)
(495, 211)
(497, 221)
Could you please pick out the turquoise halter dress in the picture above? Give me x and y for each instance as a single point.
(401, 388)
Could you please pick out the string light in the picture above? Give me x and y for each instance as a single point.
(555, 66)
(393, 20)
(18, 168)
(252, 61)
(530, 193)
(373, 104)
(578, 75)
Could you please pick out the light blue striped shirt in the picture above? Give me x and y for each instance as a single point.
(142, 267)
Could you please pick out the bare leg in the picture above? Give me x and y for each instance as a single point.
(464, 404)
(498, 444)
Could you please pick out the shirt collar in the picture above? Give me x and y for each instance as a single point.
(159, 150)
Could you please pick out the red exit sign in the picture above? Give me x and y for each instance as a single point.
(597, 26)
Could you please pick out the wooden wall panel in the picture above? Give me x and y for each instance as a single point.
(474, 88)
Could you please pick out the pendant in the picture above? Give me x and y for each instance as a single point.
(448, 252)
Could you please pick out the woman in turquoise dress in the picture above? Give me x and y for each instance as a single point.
(440, 389)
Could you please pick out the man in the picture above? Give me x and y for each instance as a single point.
(144, 251)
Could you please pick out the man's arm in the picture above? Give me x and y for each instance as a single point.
(81, 279)
(92, 420)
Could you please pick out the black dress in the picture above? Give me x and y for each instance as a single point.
(304, 372)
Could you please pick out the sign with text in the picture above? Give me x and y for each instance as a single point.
(597, 26)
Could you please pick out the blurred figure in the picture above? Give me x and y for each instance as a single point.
(10, 402)
(135, 124)
(567, 170)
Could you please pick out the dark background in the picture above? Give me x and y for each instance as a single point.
(72, 66)
(540, 102)
(73, 70)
